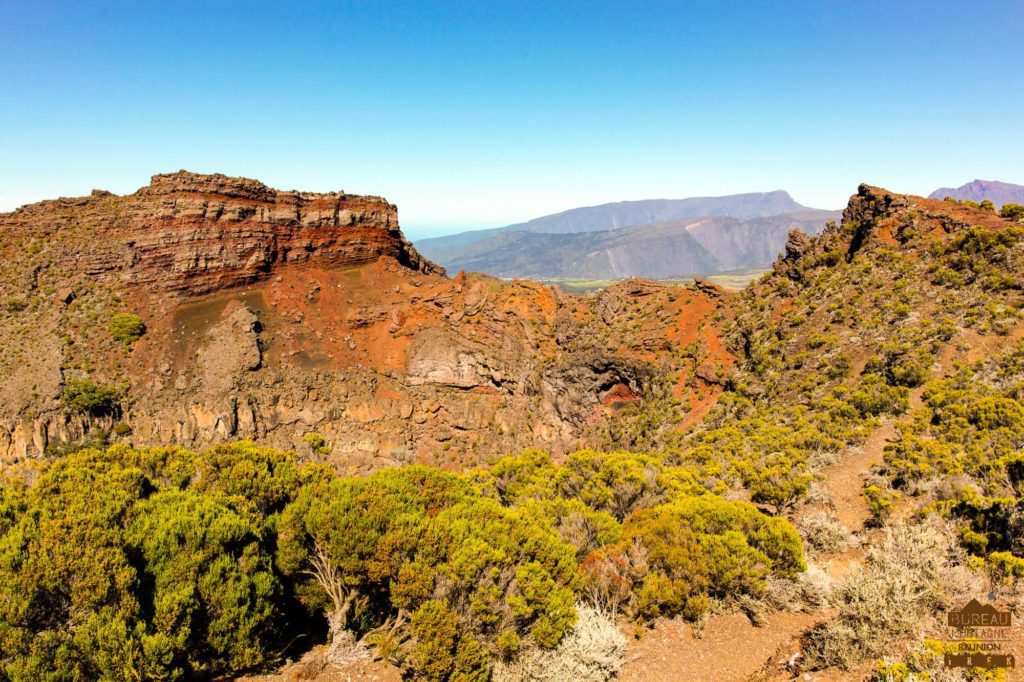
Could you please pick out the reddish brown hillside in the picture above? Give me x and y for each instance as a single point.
(271, 315)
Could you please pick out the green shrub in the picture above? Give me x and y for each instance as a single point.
(616, 482)
(318, 445)
(127, 328)
(880, 502)
(585, 528)
(1014, 212)
(81, 395)
(252, 476)
(517, 478)
(216, 597)
(417, 540)
(779, 482)
(873, 397)
(1004, 567)
(902, 364)
(110, 570)
(704, 547)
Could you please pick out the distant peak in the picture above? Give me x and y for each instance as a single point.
(978, 190)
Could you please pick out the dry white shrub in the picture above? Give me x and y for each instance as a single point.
(815, 586)
(906, 578)
(808, 592)
(344, 649)
(593, 652)
(823, 533)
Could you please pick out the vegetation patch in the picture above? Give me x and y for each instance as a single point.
(127, 328)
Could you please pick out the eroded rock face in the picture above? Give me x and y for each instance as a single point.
(445, 359)
(193, 234)
(272, 314)
(233, 348)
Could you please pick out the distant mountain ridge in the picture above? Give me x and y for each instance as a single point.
(674, 248)
(649, 238)
(997, 192)
(629, 213)
(622, 214)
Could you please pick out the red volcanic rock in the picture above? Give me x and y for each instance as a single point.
(272, 314)
(193, 234)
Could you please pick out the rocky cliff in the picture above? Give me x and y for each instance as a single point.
(275, 315)
(192, 234)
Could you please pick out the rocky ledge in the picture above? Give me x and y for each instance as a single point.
(187, 233)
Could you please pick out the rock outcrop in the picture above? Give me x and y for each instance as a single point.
(192, 234)
(273, 314)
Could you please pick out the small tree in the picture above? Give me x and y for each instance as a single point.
(1014, 212)
(344, 540)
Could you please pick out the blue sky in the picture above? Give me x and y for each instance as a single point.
(478, 114)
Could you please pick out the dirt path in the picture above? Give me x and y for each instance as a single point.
(731, 648)
(843, 481)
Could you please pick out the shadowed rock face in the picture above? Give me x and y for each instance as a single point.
(272, 314)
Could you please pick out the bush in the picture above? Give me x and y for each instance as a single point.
(318, 445)
(704, 547)
(823, 533)
(583, 527)
(517, 478)
(343, 539)
(507, 571)
(880, 502)
(81, 395)
(1014, 212)
(616, 482)
(779, 482)
(253, 477)
(216, 597)
(108, 570)
(902, 364)
(127, 328)
(415, 540)
(593, 651)
(905, 577)
(873, 397)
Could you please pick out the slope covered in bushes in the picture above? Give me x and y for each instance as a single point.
(158, 563)
(899, 330)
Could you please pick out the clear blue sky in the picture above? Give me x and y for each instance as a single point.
(477, 114)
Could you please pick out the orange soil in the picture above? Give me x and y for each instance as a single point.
(730, 648)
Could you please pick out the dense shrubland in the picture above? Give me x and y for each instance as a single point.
(237, 558)
(158, 563)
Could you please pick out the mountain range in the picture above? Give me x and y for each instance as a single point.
(652, 238)
(998, 193)
(665, 249)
